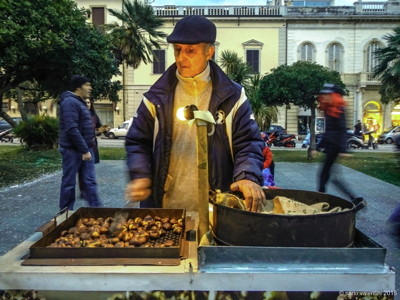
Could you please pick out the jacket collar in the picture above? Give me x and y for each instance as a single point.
(164, 87)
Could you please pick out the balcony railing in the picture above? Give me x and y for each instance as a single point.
(374, 7)
(218, 11)
(359, 8)
(367, 78)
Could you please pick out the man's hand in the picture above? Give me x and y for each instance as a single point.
(138, 189)
(252, 193)
(87, 156)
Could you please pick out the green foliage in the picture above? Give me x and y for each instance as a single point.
(138, 35)
(95, 60)
(388, 68)
(263, 114)
(38, 132)
(235, 67)
(46, 41)
(297, 84)
(240, 72)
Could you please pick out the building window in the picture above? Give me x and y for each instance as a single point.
(372, 60)
(335, 54)
(98, 16)
(307, 52)
(158, 61)
(253, 60)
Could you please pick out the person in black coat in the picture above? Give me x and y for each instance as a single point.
(96, 125)
(358, 128)
(96, 156)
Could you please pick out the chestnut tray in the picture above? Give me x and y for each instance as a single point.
(39, 253)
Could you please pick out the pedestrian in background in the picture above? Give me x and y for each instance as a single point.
(358, 129)
(269, 165)
(96, 125)
(96, 156)
(333, 141)
(77, 138)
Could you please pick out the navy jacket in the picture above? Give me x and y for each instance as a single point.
(76, 124)
(235, 149)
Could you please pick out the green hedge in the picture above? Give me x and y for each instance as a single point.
(39, 132)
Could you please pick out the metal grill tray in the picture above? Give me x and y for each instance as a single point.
(39, 250)
(365, 255)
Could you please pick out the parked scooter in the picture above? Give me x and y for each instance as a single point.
(365, 141)
(6, 136)
(307, 139)
(281, 140)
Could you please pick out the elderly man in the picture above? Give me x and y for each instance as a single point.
(162, 150)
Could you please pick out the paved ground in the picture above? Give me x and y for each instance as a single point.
(25, 207)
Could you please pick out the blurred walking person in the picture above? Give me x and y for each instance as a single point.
(333, 141)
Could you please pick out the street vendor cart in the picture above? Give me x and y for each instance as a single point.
(360, 267)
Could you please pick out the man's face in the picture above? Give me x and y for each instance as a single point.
(85, 90)
(191, 60)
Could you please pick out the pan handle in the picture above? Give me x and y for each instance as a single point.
(359, 203)
(64, 210)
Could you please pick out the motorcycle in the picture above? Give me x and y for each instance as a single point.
(359, 142)
(281, 140)
(6, 136)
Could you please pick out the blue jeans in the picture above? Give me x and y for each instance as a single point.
(73, 164)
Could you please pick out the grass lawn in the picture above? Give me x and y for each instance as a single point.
(18, 165)
(384, 166)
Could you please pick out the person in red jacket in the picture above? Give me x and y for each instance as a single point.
(268, 161)
(268, 165)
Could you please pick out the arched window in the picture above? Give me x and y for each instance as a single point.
(307, 52)
(335, 57)
(371, 60)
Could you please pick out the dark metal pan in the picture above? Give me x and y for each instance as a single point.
(236, 227)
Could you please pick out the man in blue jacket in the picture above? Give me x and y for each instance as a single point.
(76, 143)
(162, 150)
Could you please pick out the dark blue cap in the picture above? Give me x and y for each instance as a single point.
(330, 88)
(77, 81)
(193, 30)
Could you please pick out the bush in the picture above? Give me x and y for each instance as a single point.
(38, 132)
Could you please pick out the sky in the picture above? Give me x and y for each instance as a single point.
(229, 2)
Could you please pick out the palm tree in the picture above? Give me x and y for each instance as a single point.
(239, 71)
(138, 34)
(388, 68)
(234, 67)
(263, 114)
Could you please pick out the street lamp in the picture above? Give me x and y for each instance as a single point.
(201, 118)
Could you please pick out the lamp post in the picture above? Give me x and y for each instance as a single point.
(201, 119)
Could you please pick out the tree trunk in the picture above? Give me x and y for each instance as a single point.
(20, 102)
(312, 146)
